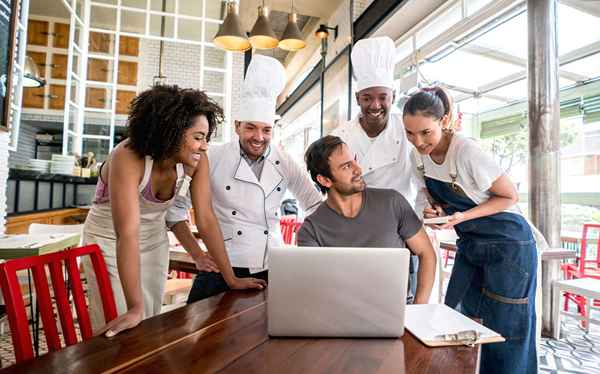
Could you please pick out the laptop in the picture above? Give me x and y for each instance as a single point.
(337, 292)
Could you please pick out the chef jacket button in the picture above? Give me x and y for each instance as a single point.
(234, 212)
(370, 168)
(278, 188)
(239, 232)
(277, 162)
(266, 232)
(397, 141)
(227, 188)
(276, 214)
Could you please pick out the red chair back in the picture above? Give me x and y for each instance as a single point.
(586, 265)
(54, 262)
(289, 229)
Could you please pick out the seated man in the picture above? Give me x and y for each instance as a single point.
(357, 216)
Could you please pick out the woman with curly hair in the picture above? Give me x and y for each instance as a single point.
(165, 153)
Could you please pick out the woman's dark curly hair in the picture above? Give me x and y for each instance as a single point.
(158, 118)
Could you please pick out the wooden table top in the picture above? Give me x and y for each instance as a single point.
(228, 333)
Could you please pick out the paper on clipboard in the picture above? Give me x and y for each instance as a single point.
(428, 322)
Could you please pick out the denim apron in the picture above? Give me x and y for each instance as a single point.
(493, 277)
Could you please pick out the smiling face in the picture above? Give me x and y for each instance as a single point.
(194, 142)
(425, 133)
(375, 104)
(255, 137)
(346, 174)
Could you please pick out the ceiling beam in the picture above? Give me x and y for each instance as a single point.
(586, 6)
(497, 55)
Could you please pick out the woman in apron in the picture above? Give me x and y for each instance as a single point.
(168, 132)
(494, 273)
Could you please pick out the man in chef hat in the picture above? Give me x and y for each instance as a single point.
(249, 178)
(376, 135)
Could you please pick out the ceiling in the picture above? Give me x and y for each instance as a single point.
(279, 10)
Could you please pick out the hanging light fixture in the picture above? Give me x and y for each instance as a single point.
(31, 74)
(291, 40)
(262, 35)
(230, 36)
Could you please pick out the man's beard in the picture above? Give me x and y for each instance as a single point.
(347, 189)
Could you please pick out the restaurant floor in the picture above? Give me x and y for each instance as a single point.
(576, 352)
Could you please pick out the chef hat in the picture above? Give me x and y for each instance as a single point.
(265, 79)
(373, 61)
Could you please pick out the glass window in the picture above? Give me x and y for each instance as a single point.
(103, 18)
(473, 6)
(215, 9)
(156, 26)
(192, 8)
(190, 29)
(134, 22)
(467, 70)
(96, 123)
(168, 5)
(134, 3)
(576, 29)
(211, 29)
(404, 49)
(514, 30)
(440, 25)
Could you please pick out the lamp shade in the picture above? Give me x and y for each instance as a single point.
(262, 35)
(291, 40)
(322, 32)
(230, 36)
(31, 74)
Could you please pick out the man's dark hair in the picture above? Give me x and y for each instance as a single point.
(317, 158)
(159, 116)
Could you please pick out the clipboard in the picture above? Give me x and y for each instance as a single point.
(437, 325)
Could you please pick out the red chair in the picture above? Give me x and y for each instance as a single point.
(54, 262)
(289, 229)
(584, 268)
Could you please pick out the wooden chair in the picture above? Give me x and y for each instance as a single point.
(54, 262)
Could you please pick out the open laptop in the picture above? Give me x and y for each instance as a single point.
(337, 292)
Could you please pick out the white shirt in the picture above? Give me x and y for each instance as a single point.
(476, 170)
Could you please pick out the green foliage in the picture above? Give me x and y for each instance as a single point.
(510, 150)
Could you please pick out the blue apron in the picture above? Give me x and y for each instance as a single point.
(494, 279)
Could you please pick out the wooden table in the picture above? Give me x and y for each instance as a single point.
(228, 334)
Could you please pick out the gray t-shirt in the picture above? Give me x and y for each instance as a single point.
(385, 220)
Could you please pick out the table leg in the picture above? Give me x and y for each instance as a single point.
(556, 312)
(550, 273)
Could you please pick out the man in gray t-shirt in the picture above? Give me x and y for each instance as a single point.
(356, 216)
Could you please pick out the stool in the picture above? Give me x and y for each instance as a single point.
(589, 288)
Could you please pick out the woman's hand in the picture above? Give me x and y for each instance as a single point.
(454, 219)
(123, 322)
(205, 262)
(246, 283)
(433, 212)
